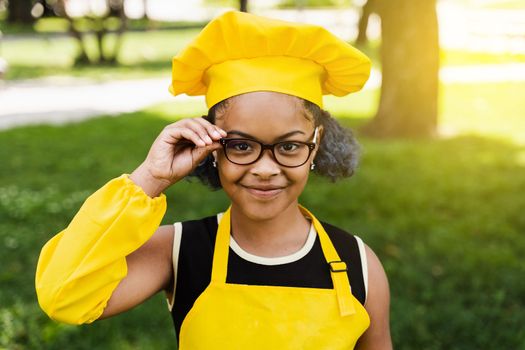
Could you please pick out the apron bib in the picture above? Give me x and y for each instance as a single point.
(238, 316)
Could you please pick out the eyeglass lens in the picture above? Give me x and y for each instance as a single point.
(287, 153)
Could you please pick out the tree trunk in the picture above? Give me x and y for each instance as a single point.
(99, 27)
(82, 57)
(100, 35)
(243, 5)
(362, 26)
(145, 4)
(19, 11)
(111, 56)
(410, 67)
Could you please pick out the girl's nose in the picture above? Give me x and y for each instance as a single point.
(266, 166)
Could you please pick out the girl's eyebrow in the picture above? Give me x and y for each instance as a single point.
(282, 137)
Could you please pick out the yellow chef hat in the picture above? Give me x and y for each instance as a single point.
(240, 52)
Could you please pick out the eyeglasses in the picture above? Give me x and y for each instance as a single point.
(290, 154)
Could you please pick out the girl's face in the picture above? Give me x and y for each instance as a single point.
(264, 189)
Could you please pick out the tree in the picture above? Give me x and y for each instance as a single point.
(410, 67)
(243, 5)
(19, 11)
(145, 4)
(366, 10)
(101, 26)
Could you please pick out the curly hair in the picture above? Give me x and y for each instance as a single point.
(336, 158)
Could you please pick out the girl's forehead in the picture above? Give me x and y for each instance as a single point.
(258, 111)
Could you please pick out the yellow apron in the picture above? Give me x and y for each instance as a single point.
(238, 316)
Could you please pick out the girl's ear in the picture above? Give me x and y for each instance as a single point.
(317, 139)
(320, 132)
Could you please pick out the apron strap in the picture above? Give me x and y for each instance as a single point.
(337, 267)
(221, 250)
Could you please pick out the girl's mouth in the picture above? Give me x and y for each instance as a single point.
(264, 192)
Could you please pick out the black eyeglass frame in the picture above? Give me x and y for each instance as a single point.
(264, 146)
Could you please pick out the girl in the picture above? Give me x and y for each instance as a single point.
(265, 273)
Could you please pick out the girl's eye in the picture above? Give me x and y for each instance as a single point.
(240, 146)
(288, 147)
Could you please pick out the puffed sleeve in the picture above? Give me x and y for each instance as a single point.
(80, 267)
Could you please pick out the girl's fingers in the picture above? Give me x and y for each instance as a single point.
(202, 132)
(188, 134)
(213, 130)
(222, 132)
(199, 154)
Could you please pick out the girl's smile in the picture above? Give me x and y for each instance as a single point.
(264, 192)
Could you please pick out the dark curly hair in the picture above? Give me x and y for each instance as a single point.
(336, 158)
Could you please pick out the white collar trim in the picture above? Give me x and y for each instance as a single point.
(261, 260)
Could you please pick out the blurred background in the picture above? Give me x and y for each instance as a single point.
(439, 194)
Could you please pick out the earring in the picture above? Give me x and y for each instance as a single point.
(214, 163)
(312, 166)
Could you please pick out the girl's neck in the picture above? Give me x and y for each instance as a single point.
(281, 235)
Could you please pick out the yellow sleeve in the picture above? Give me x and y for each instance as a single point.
(80, 267)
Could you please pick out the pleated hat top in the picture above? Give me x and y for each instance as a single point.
(240, 52)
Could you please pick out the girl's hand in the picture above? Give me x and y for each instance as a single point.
(178, 149)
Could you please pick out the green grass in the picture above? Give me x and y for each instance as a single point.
(143, 54)
(60, 25)
(494, 110)
(149, 53)
(292, 4)
(452, 57)
(458, 58)
(445, 216)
